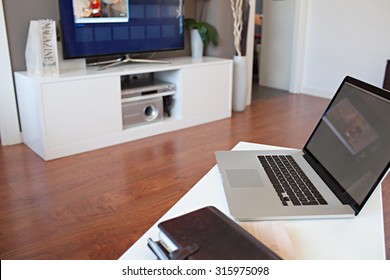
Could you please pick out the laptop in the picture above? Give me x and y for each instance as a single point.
(334, 175)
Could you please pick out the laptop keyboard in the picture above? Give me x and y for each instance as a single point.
(290, 182)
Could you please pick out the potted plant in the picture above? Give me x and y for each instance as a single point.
(202, 34)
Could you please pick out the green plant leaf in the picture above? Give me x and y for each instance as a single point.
(190, 23)
(207, 32)
(212, 33)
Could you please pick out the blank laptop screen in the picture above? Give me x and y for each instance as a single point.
(352, 140)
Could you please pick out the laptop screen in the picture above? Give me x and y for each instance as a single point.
(352, 140)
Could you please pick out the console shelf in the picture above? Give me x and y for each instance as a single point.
(79, 111)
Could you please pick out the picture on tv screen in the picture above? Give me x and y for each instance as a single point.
(97, 11)
(92, 28)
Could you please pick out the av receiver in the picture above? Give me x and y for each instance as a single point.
(145, 87)
(143, 101)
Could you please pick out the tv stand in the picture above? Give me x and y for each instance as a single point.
(128, 59)
(81, 110)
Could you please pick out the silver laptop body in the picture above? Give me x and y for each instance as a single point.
(344, 159)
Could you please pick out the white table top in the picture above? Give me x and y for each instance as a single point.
(361, 237)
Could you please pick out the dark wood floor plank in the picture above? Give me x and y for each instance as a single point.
(95, 205)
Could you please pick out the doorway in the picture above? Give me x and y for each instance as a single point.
(281, 50)
(257, 47)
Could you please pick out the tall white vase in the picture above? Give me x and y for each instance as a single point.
(196, 44)
(240, 83)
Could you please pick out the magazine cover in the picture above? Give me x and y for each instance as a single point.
(41, 49)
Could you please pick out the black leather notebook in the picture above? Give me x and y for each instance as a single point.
(208, 234)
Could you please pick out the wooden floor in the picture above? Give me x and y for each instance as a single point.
(95, 205)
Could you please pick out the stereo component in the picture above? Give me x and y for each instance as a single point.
(145, 99)
(145, 87)
(142, 111)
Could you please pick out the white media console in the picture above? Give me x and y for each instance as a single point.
(81, 110)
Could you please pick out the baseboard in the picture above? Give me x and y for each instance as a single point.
(318, 92)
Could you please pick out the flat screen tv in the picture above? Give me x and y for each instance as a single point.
(93, 28)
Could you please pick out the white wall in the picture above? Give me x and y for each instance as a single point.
(345, 37)
(9, 122)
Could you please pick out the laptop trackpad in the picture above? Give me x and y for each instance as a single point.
(244, 178)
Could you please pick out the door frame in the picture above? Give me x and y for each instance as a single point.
(299, 46)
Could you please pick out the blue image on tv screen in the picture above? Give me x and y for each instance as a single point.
(91, 28)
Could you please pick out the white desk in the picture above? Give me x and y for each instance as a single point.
(361, 237)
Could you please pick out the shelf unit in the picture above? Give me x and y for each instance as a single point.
(80, 110)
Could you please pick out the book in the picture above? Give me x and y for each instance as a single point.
(208, 234)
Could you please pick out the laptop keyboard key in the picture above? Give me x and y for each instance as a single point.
(289, 181)
(322, 201)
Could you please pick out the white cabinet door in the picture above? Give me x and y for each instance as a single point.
(206, 90)
(81, 110)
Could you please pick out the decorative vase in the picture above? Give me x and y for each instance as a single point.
(196, 44)
(240, 83)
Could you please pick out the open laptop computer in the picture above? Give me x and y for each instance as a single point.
(342, 163)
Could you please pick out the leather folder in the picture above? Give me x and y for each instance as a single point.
(208, 234)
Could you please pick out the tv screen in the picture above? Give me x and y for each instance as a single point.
(92, 28)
